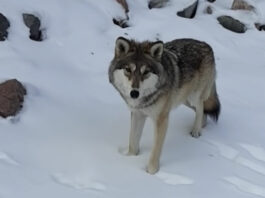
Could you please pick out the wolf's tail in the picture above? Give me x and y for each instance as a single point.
(212, 106)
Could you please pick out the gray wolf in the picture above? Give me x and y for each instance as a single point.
(155, 77)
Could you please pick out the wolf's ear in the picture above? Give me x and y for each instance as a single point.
(122, 46)
(157, 49)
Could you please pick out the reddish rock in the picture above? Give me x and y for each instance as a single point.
(124, 5)
(11, 97)
(242, 5)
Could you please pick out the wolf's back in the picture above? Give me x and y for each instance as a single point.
(191, 55)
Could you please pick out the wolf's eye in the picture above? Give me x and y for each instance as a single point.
(127, 70)
(146, 72)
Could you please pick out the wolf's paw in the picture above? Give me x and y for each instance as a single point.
(132, 153)
(195, 134)
(128, 152)
(152, 169)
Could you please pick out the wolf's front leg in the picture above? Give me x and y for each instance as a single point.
(160, 132)
(137, 125)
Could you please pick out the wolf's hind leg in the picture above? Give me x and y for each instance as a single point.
(137, 125)
(196, 130)
(204, 119)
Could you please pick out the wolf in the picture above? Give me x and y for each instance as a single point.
(155, 77)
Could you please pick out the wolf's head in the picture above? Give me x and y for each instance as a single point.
(136, 71)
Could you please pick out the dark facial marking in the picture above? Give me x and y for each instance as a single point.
(127, 71)
(121, 48)
(136, 81)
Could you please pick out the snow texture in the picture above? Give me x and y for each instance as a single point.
(173, 179)
(77, 184)
(256, 151)
(65, 142)
(7, 159)
(247, 187)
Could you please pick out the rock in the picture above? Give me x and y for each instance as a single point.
(157, 3)
(123, 23)
(4, 25)
(241, 5)
(33, 23)
(260, 27)
(211, 1)
(190, 11)
(208, 10)
(232, 24)
(124, 5)
(11, 97)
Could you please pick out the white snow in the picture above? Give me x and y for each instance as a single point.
(246, 186)
(224, 150)
(77, 183)
(7, 159)
(252, 165)
(256, 151)
(173, 179)
(65, 142)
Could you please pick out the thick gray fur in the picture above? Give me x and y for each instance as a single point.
(166, 75)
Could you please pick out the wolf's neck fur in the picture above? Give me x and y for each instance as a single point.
(149, 99)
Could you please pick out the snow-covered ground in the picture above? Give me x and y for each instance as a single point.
(66, 140)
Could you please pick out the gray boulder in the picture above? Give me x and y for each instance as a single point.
(190, 11)
(4, 25)
(33, 23)
(260, 27)
(232, 24)
(208, 10)
(123, 23)
(157, 3)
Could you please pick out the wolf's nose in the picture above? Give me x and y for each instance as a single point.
(134, 94)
